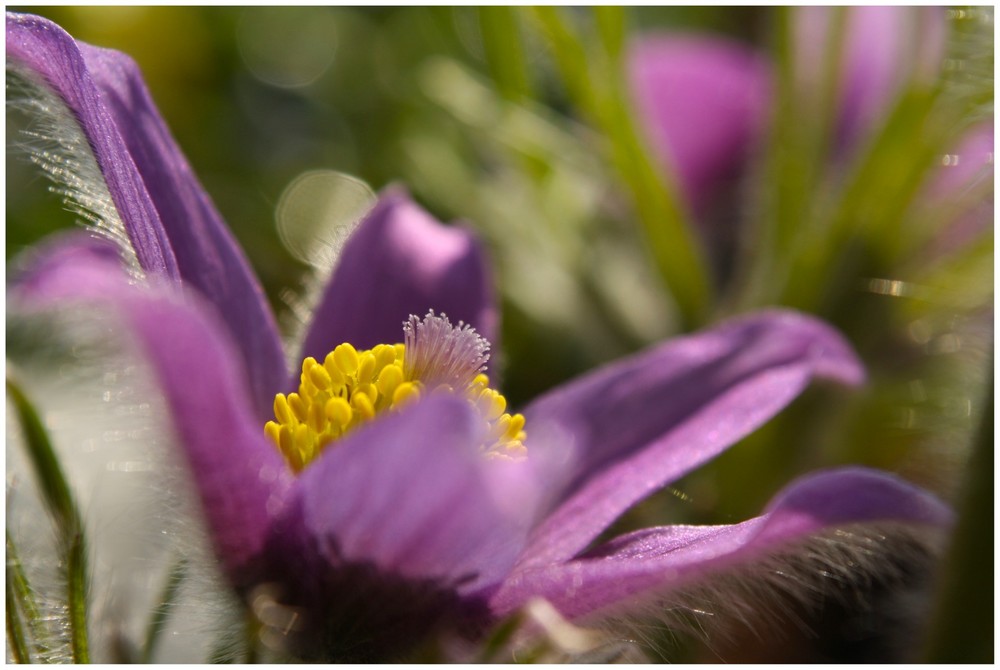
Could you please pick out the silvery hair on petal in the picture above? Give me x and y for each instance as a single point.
(53, 140)
(855, 582)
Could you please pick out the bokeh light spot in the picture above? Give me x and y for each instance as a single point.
(289, 47)
(318, 210)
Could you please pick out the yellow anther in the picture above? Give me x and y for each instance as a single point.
(491, 404)
(339, 412)
(298, 406)
(318, 375)
(291, 452)
(366, 367)
(307, 363)
(330, 365)
(286, 438)
(481, 380)
(346, 357)
(281, 410)
(516, 425)
(385, 354)
(404, 393)
(317, 418)
(389, 378)
(273, 431)
(306, 388)
(500, 427)
(368, 390)
(302, 440)
(363, 405)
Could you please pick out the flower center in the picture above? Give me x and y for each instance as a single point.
(351, 387)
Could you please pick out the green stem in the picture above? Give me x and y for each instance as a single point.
(962, 623)
(76, 573)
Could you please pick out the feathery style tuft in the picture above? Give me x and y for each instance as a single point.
(439, 353)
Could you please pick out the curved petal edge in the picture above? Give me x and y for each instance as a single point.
(652, 561)
(640, 423)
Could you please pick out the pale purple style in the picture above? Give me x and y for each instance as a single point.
(402, 527)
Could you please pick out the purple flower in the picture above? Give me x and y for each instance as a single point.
(705, 102)
(432, 507)
(882, 48)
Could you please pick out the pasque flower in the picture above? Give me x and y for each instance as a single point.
(705, 101)
(391, 492)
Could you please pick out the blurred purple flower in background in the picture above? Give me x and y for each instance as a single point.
(403, 526)
(706, 102)
(881, 49)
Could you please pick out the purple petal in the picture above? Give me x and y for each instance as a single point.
(240, 475)
(411, 494)
(38, 264)
(67, 266)
(105, 91)
(242, 480)
(208, 257)
(880, 45)
(640, 423)
(46, 50)
(704, 102)
(656, 559)
(400, 261)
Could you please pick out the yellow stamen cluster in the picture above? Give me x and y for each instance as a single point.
(347, 389)
(351, 387)
(506, 432)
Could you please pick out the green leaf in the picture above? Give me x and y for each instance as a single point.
(59, 501)
(55, 490)
(505, 51)
(611, 28)
(163, 609)
(21, 603)
(595, 83)
(15, 628)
